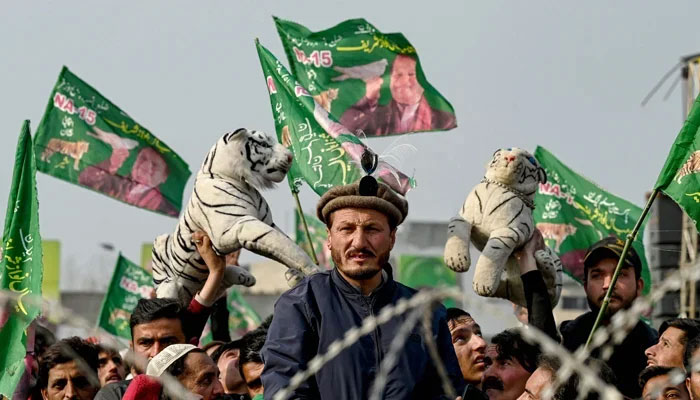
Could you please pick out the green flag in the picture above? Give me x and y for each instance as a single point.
(21, 265)
(319, 235)
(419, 271)
(573, 213)
(326, 154)
(679, 178)
(85, 139)
(129, 284)
(367, 80)
(242, 318)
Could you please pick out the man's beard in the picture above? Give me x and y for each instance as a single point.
(608, 311)
(364, 272)
(492, 382)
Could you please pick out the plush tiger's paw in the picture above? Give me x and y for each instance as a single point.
(550, 265)
(235, 275)
(293, 277)
(457, 254)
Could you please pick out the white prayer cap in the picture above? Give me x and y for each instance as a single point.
(165, 358)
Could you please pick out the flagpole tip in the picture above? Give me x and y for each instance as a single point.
(257, 42)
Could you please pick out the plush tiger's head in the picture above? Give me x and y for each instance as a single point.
(517, 169)
(251, 156)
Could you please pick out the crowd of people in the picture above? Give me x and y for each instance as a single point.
(362, 219)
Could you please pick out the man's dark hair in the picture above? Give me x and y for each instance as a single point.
(570, 389)
(510, 345)
(455, 313)
(649, 373)
(104, 349)
(65, 351)
(251, 345)
(690, 326)
(177, 368)
(691, 346)
(149, 310)
(611, 247)
(235, 344)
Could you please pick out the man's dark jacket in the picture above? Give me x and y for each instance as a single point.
(319, 311)
(628, 358)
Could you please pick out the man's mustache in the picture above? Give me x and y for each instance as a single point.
(362, 251)
(614, 296)
(492, 382)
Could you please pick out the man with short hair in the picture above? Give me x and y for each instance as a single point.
(670, 349)
(408, 110)
(251, 363)
(510, 360)
(68, 370)
(110, 366)
(361, 219)
(189, 365)
(158, 323)
(627, 359)
(691, 361)
(657, 383)
(541, 379)
(469, 345)
(227, 359)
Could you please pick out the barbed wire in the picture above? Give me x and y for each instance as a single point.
(604, 339)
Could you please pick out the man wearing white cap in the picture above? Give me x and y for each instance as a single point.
(187, 364)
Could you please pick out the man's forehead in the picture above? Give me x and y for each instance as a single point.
(462, 322)
(65, 370)
(358, 216)
(158, 328)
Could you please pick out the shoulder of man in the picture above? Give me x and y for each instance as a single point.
(575, 332)
(318, 282)
(113, 391)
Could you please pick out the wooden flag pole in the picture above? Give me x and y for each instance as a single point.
(625, 250)
(295, 193)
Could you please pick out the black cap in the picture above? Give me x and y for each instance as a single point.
(612, 247)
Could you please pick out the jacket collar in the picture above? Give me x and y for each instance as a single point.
(386, 288)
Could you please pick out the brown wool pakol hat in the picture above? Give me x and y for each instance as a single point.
(365, 193)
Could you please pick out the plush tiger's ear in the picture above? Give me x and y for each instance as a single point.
(493, 158)
(541, 175)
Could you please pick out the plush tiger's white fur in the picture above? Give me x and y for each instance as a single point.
(497, 218)
(226, 204)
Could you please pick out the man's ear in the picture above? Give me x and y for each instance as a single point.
(640, 286)
(393, 237)
(131, 344)
(687, 386)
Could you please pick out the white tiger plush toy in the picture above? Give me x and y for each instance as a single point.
(227, 206)
(497, 218)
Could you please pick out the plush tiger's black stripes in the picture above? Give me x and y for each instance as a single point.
(476, 193)
(501, 204)
(516, 232)
(495, 247)
(260, 237)
(501, 240)
(526, 227)
(267, 212)
(215, 205)
(522, 207)
(197, 267)
(213, 154)
(234, 196)
(231, 214)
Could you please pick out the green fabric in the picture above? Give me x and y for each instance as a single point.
(21, 264)
(573, 213)
(242, 318)
(418, 272)
(319, 236)
(129, 284)
(67, 146)
(318, 59)
(679, 178)
(323, 157)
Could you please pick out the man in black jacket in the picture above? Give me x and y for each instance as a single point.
(361, 220)
(627, 359)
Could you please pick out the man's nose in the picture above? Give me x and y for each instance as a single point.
(606, 281)
(359, 239)
(650, 351)
(69, 392)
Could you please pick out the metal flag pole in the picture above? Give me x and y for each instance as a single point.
(630, 238)
(295, 193)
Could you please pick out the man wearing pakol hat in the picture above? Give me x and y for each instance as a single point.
(628, 358)
(361, 219)
(187, 364)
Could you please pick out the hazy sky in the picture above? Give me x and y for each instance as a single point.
(565, 75)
